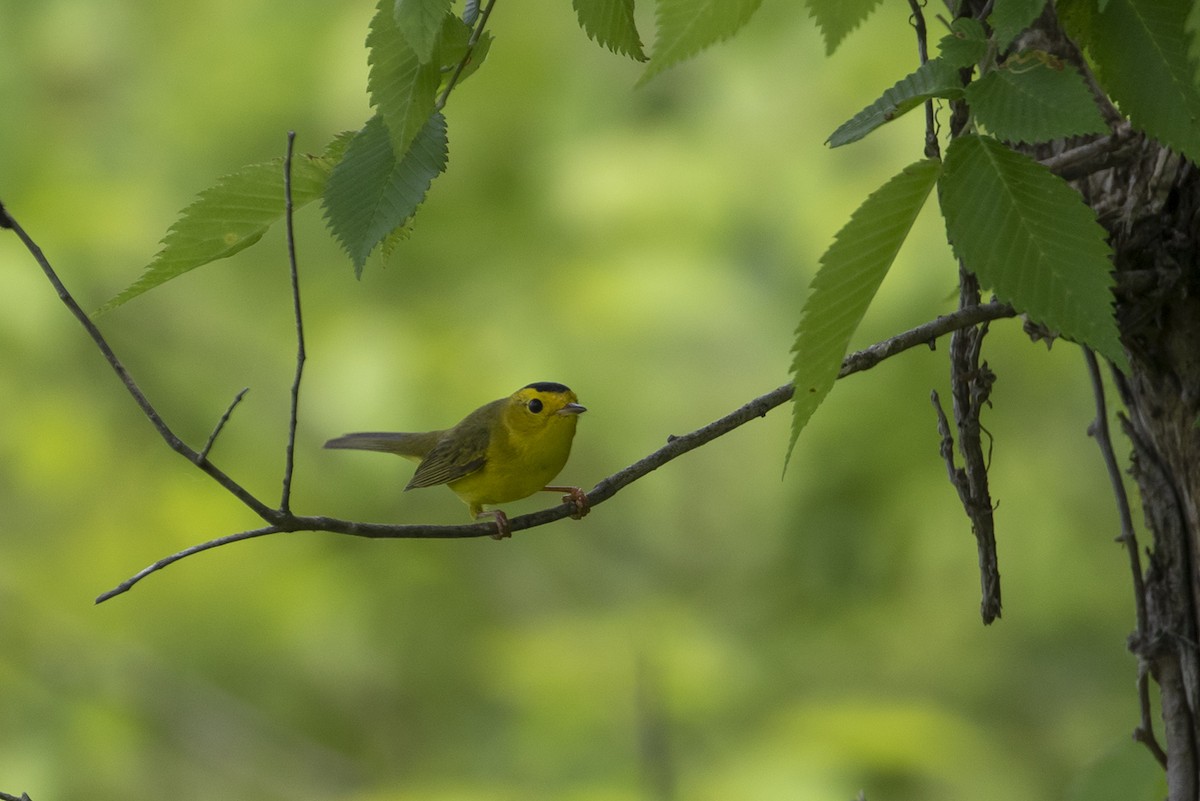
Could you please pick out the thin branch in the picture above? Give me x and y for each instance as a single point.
(476, 32)
(1099, 430)
(212, 438)
(971, 385)
(918, 22)
(175, 557)
(860, 361)
(169, 436)
(285, 500)
(6, 796)
(1144, 733)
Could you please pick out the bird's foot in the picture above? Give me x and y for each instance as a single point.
(503, 532)
(577, 498)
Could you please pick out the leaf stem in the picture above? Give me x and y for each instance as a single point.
(476, 32)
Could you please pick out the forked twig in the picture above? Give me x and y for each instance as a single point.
(169, 436)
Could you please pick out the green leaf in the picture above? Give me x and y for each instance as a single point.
(685, 27)
(1141, 51)
(851, 271)
(231, 216)
(1077, 18)
(965, 45)
(838, 18)
(370, 193)
(482, 48)
(402, 88)
(1030, 237)
(1010, 17)
(456, 37)
(1034, 98)
(420, 23)
(610, 23)
(934, 78)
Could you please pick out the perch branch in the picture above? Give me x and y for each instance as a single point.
(856, 362)
(285, 500)
(283, 520)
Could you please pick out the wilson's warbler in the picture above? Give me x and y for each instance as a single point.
(503, 451)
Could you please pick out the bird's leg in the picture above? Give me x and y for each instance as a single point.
(575, 496)
(502, 529)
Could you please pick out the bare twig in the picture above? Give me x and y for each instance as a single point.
(285, 500)
(676, 446)
(212, 438)
(175, 557)
(971, 385)
(1144, 733)
(476, 32)
(918, 22)
(169, 436)
(6, 796)
(1099, 430)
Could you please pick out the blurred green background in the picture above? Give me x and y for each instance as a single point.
(713, 632)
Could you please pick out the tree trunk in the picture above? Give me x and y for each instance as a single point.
(1148, 199)
(1154, 219)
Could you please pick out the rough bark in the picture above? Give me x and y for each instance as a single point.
(1148, 199)
(1152, 212)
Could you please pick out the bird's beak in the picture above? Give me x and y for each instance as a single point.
(572, 408)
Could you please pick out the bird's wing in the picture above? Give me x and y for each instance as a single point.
(456, 455)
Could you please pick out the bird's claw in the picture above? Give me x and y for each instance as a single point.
(579, 499)
(503, 531)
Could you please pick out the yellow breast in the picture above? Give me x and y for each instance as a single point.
(528, 444)
(519, 463)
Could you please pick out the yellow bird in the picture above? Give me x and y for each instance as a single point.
(503, 451)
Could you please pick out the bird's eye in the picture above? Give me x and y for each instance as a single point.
(535, 406)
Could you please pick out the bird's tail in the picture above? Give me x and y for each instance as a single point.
(412, 446)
